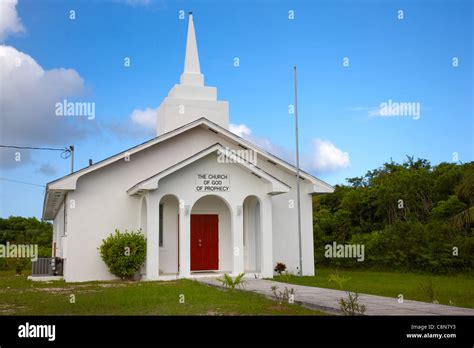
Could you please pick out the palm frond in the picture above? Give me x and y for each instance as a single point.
(463, 219)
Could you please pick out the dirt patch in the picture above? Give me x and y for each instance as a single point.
(278, 308)
(81, 287)
(52, 290)
(168, 282)
(85, 291)
(6, 309)
(112, 285)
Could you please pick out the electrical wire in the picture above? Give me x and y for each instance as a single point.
(22, 182)
(66, 152)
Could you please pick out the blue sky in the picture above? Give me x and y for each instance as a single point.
(403, 60)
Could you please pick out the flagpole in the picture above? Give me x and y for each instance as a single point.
(298, 176)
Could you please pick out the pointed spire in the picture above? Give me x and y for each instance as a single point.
(191, 61)
(192, 71)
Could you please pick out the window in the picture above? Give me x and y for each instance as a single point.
(161, 225)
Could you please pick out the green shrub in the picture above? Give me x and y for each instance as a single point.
(17, 264)
(21, 265)
(124, 253)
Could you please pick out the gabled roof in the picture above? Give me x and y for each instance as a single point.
(276, 186)
(56, 189)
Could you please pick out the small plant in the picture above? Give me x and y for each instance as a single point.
(334, 277)
(286, 276)
(230, 283)
(124, 253)
(280, 268)
(429, 290)
(18, 264)
(285, 296)
(351, 306)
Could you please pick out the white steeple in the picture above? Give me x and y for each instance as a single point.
(192, 71)
(191, 99)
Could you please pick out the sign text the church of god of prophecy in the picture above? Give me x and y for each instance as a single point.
(212, 182)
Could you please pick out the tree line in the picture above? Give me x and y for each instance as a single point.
(408, 216)
(21, 230)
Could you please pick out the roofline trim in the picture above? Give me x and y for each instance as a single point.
(191, 159)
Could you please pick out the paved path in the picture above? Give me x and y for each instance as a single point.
(328, 300)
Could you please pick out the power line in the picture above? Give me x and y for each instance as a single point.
(66, 151)
(34, 148)
(22, 182)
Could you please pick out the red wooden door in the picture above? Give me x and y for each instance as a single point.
(204, 242)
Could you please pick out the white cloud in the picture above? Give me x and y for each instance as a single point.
(245, 132)
(241, 130)
(27, 103)
(326, 157)
(140, 123)
(10, 23)
(323, 157)
(146, 118)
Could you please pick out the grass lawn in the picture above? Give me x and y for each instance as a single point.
(456, 290)
(19, 296)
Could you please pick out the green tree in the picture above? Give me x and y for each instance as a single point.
(408, 215)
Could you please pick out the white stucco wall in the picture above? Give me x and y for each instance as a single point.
(285, 219)
(285, 241)
(252, 234)
(102, 204)
(176, 112)
(243, 184)
(169, 251)
(58, 232)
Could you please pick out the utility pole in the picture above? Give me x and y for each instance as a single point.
(298, 203)
(71, 148)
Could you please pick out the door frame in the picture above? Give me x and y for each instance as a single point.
(216, 252)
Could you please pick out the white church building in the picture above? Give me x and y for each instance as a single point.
(208, 201)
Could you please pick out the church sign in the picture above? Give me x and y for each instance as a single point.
(212, 182)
